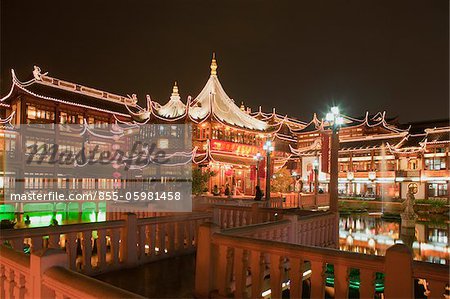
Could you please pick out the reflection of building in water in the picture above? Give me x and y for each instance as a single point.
(374, 235)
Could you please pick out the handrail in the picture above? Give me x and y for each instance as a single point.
(63, 229)
(351, 259)
(254, 228)
(176, 218)
(75, 285)
(430, 271)
(14, 259)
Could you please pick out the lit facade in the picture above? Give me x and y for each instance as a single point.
(378, 158)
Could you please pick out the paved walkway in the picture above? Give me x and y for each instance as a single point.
(170, 278)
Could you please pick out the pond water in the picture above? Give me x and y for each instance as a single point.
(367, 234)
(41, 215)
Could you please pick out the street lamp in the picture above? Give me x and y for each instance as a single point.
(258, 157)
(316, 174)
(335, 121)
(268, 147)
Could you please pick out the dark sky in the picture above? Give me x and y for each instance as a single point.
(299, 57)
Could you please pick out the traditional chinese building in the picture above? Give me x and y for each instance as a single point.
(378, 157)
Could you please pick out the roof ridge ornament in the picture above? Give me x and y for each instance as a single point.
(37, 73)
(214, 65)
(175, 90)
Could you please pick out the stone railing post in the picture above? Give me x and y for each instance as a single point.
(293, 228)
(255, 212)
(398, 282)
(216, 215)
(130, 238)
(40, 261)
(205, 262)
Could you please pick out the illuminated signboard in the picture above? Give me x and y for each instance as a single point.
(236, 148)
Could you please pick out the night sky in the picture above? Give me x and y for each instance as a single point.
(298, 57)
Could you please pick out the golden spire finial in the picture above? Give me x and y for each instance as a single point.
(175, 89)
(213, 65)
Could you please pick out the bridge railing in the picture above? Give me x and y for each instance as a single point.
(228, 216)
(246, 267)
(44, 274)
(99, 247)
(315, 229)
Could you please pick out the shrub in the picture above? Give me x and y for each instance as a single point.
(200, 180)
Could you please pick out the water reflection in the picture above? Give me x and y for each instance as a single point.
(40, 219)
(429, 239)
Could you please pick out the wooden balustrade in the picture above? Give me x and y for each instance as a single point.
(251, 267)
(94, 248)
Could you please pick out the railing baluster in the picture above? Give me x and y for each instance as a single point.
(275, 276)
(171, 238)
(71, 249)
(9, 283)
(180, 236)
(240, 273)
(257, 271)
(161, 238)
(437, 289)
(296, 277)
(19, 286)
(152, 232)
(142, 242)
(367, 286)
(317, 279)
(87, 251)
(222, 270)
(115, 246)
(101, 248)
(340, 281)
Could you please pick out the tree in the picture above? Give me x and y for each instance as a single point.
(281, 181)
(200, 180)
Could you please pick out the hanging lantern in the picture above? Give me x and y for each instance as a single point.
(229, 172)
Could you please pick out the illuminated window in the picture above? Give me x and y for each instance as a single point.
(163, 143)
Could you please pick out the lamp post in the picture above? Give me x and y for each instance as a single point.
(268, 147)
(335, 120)
(316, 180)
(258, 157)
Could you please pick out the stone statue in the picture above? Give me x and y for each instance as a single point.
(409, 216)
